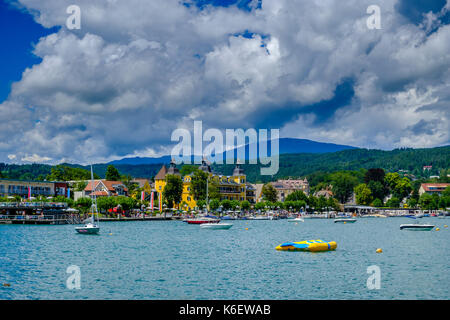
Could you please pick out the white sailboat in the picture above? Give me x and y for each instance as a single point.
(91, 226)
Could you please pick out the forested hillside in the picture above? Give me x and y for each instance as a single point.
(291, 165)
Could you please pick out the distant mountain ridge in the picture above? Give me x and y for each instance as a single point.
(286, 146)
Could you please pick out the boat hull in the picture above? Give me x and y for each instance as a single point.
(344, 220)
(216, 226)
(413, 227)
(83, 230)
(202, 221)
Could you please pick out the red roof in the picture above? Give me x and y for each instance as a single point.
(108, 184)
(100, 193)
(434, 186)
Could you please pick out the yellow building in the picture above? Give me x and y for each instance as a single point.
(234, 187)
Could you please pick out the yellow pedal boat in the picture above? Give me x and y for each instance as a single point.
(308, 245)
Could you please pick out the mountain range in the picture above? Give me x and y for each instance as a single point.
(286, 146)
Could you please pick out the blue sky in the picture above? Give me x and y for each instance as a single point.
(18, 32)
(119, 86)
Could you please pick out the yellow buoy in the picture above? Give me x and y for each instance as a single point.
(345, 222)
(246, 228)
(445, 226)
(6, 285)
(437, 229)
(110, 234)
(379, 250)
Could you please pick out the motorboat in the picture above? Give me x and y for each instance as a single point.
(417, 227)
(201, 220)
(344, 220)
(308, 245)
(216, 226)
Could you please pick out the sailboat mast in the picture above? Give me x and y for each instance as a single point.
(93, 190)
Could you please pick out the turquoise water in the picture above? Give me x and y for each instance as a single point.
(174, 260)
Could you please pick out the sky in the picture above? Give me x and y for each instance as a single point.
(137, 70)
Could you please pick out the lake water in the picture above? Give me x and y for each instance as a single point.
(174, 260)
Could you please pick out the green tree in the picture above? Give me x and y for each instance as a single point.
(391, 179)
(446, 192)
(426, 202)
(173, 190)
(198, 185)
(105, 203)
(80, 185)
(412, 203)
(69, 201)
(245, 205)
(312, 201)
(269, 192)
(214, 204)
(393, 203)
(444, 202)
(363, 194)
(259, 205)
(403, 188)
(83, 204)
(297, 195)
(375, 175)
(234, 204)
(201, 204)
(226, 204)
(321, 203)
(378, 189)
(187, 169)
(343, 184)
(279, 204)
(126, 203)
(213, 190)
(333, 203)
(112, 174)
(377, 203)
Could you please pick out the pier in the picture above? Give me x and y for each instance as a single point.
(37, 213)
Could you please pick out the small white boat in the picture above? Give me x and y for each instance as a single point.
(91, 226)
(417, 227)
(88, 228)
(344, 220)
(296, 220)
(216, 226)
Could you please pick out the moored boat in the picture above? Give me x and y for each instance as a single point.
(417, 227)
(202, 220)
(344, 220)
(298, 219)
(91, 226)
(216, 226)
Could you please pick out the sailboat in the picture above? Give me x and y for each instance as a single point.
(91, 226)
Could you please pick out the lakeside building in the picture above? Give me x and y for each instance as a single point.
(102, 188)
(327, 193)
(142, 182)
(288, 186)
(432, 188)
(234, 187)
(34, 188)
